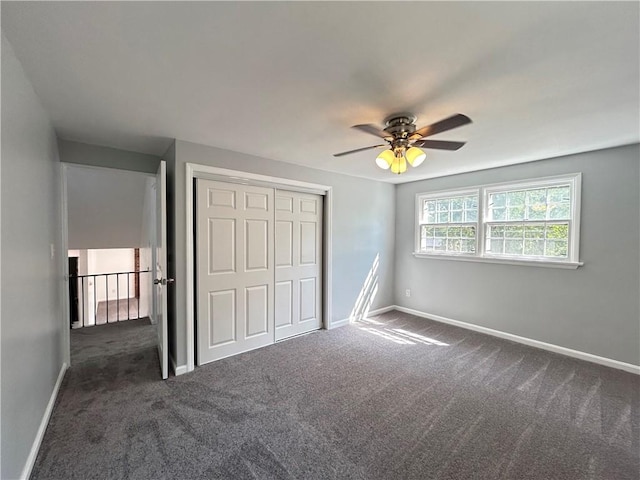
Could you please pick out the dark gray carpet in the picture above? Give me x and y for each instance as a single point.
(114, 340)
(395, 398)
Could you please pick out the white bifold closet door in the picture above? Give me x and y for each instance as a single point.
(298, 259)
(258, 267)
(235, 269)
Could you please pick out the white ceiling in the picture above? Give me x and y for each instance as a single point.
(286, 80)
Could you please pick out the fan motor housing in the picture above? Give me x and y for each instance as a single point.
(400, 125)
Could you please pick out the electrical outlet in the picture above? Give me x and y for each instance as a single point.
(407, 292)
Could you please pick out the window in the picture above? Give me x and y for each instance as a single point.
(449, 223)
(531, 221)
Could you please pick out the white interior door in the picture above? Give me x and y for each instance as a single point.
(160, 268)
(234, 269)
(298, 282)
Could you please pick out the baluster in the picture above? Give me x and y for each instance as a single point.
(106, 282)
(117, 297)
(82, 289)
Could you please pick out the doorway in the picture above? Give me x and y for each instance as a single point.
(103, 209)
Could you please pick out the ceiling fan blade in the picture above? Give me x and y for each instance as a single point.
(439, 144)
(373, 130)
(449, 123)
(359, 150)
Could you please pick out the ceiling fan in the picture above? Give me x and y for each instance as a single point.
(404, 141)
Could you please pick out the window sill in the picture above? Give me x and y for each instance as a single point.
(503, 261)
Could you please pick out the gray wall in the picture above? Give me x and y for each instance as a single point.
(592, 309)
(31, 283)
(97, 156)
(363, 218)
(105, 207)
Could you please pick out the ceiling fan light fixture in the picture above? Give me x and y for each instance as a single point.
(415, 156)
(400, 133)
(385, 159)
(399, 165)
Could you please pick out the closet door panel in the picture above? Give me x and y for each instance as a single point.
(298, 263)
(234, 269)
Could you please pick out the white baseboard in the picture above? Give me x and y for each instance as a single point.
(608, 362)
(338, 323)
(380, 311)
(177, 370)
(35, 447)
(370, 313)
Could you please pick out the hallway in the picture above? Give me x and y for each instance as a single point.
(109, 346)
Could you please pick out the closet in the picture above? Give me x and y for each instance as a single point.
(258, 266)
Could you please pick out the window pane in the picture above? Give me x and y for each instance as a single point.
(537, 211)
(495, 245)
(556, 248)
(513, 231)
(559, 211)
(454, 238)
(558, 231)
(538, 196)
(534, 247)
(468, 246)
(446, 210)
(539, 240)
(471, 203)
(457, 203)
(513, 247)
(498, 199)
(495, 231)
(534, 231)
(515, 199)
(515, 213)
(443, 205)
(429, 211)
(468, 232)
(559, 194)
(471, 215)
(498, 214)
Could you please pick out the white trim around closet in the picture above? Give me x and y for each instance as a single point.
(194, 171)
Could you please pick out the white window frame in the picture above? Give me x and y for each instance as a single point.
(572, 261)
(420, 198)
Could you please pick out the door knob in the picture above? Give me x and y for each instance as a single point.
(163, 281)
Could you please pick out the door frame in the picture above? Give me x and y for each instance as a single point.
(64, 221)
(194, 171)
